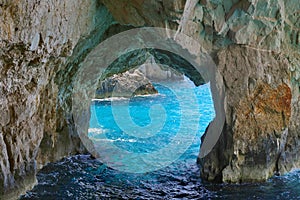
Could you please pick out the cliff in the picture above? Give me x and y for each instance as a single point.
(254, 43)
(41, 43)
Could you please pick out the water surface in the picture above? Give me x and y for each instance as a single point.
(81, 177)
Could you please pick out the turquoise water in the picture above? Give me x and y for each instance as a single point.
(185, 112)
(81, 177)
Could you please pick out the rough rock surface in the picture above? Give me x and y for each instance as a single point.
(255, 44)
(155, 72)
(258, 112)
(127, 84)
(40, 41)
(256, 49)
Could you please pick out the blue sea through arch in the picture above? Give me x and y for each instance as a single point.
(81, 177)
(104, 129)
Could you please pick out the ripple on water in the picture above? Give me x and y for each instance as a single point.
(81, 177)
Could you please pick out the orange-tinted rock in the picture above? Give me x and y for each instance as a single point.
(258, 106)
(254, 112)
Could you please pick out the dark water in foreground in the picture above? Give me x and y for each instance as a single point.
(80, 177)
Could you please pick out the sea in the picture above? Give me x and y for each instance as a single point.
(148, 148)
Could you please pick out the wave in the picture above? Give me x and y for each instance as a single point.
(111, 99)
(149, 95)
(97, 130)
(111, 140)
(94, 132)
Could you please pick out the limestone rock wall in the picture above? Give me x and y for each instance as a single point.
(147, 13)
(258, 112)
(37, 39)
(255, 44)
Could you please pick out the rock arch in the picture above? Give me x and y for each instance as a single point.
(256, 52)
(199, 67)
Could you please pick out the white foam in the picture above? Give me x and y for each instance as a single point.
(149, 95)
(96, 130)
(110, 140)
(111, 99)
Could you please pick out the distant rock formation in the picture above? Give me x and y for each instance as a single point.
(127, 84)
(137, 81)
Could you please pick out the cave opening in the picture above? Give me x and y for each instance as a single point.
(148, 138)
(85, 177)
(145, 167)
(142, 111)
(127, 51)
(130, 49)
